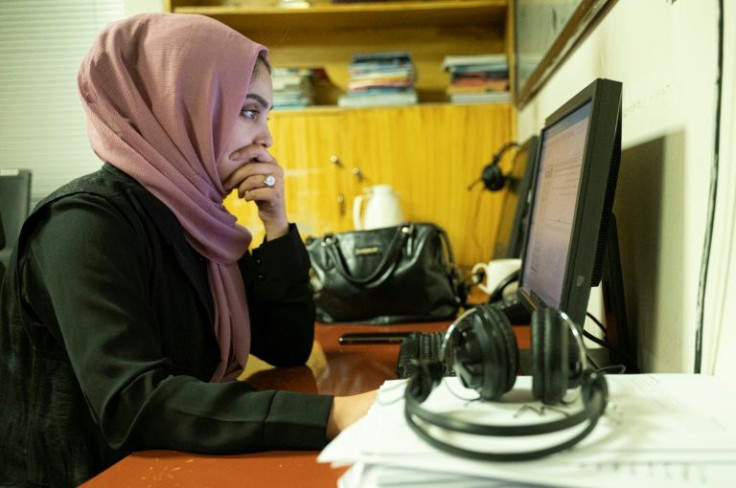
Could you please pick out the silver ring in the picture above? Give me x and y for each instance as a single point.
(270, 180)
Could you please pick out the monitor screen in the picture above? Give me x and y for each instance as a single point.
(580, 148)
(512, 226)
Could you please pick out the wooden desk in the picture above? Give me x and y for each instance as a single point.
(332, 369)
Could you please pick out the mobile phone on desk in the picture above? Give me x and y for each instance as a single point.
(372, 337)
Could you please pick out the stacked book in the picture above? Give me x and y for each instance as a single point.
(292, 87)
(477, 78)
(385, 78)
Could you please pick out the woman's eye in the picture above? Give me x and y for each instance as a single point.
(249, 113)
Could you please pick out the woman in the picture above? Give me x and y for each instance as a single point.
(131, 301)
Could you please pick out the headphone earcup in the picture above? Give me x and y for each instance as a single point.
(550, 369)
(486, 356)
(509, 358)
(492, 177)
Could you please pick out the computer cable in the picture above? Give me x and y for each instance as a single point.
(611, 347)
(712, 197)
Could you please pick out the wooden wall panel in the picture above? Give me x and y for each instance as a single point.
(429, 153)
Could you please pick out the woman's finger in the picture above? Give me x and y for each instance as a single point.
(254, 173)
(245, 158)
(271, 180)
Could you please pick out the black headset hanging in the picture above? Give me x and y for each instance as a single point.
(486, 359)
(492, 177)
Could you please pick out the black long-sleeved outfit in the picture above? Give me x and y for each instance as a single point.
(107, 339)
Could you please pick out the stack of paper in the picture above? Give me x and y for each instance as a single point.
(659, 430)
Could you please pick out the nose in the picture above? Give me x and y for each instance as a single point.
(264, 137)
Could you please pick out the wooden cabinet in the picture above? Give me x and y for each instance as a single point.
(429, 153)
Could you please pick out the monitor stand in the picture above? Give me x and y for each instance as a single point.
(614, 303)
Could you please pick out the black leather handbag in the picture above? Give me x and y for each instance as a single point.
(383, 276)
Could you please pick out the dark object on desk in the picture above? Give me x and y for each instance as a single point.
(15, 205)
(486, 360)
(423, 347)
(390, 275)
(510, 302)
(372, 337)
(513, 309)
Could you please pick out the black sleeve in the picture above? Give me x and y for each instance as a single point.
(91, 268)
(280, 300)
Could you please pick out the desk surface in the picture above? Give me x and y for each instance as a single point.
(332, 369)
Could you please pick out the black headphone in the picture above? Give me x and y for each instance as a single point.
(492, 176)
(486, 360)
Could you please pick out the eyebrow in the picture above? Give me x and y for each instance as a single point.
(261, 101)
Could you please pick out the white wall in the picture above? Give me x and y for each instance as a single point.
(665, 54)
(133, 7)
(720, 330)
(42, 124)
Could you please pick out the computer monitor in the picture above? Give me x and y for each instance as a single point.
(514, 213)
(571, 209)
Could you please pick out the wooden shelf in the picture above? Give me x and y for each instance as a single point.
(328, 35)
(359, 15)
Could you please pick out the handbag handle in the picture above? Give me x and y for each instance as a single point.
(448, 248)
(458, 284)
(403, 232)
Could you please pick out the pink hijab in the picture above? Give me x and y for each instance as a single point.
(162, 93)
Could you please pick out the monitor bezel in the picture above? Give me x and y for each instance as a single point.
(513, 247)
(594, 206)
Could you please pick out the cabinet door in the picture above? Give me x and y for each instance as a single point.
(431, 154)
(305, 143)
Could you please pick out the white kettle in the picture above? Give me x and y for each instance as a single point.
(381, 208)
